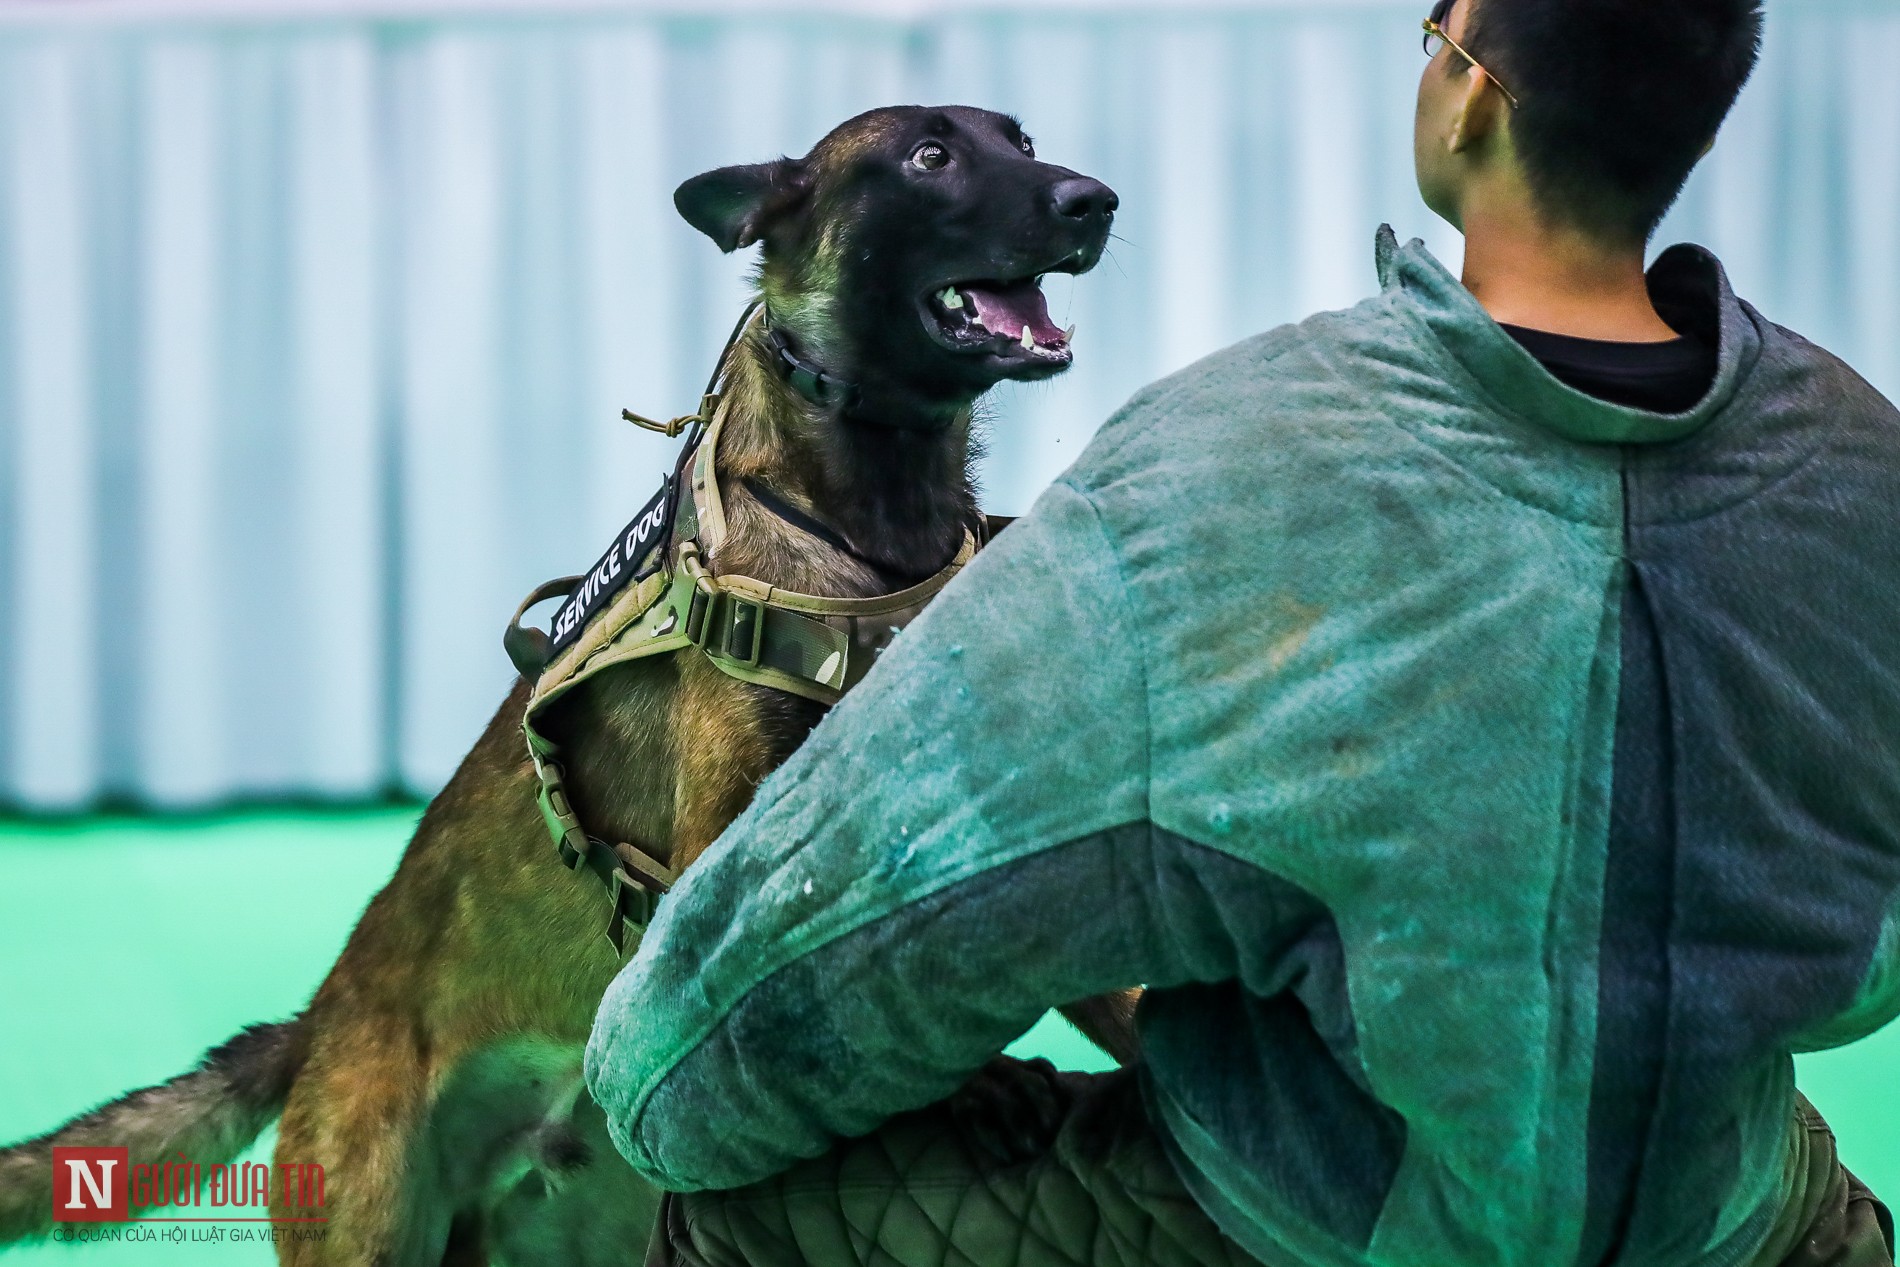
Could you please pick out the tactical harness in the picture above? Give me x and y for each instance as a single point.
(656, 592)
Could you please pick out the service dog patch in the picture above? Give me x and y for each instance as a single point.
(637, 553)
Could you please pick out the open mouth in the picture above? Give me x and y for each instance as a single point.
(1008, 320)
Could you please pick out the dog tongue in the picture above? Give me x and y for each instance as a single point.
(1007, 309)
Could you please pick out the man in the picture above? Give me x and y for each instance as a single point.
(1471, 715)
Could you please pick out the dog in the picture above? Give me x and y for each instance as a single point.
(435, 1075)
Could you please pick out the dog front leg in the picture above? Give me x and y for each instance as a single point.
(723, 755)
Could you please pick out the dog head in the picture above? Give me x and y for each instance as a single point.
(904, 253)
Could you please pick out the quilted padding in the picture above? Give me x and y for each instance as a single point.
(922, 1191)
(1087, 1184)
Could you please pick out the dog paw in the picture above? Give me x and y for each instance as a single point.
(1010, 1110)
(556, 1153)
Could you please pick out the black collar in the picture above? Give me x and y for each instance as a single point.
(826, 391)
(827, 534)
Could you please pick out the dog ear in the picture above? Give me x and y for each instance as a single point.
(736, 206)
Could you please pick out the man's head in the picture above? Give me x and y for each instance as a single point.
(1616, 102)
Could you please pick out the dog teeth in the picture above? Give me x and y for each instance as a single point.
(1029, 339)
(1068, 336)
(950, 298)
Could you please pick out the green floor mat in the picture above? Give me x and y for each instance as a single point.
(129, 946)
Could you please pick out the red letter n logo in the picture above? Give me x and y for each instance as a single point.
(89, 1184)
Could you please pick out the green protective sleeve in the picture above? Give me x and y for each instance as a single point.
(1008, 719)
(1878, 1001)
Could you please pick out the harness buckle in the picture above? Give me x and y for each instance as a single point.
(570, 840)
(697, 610)
(745, 633)
(633, 905)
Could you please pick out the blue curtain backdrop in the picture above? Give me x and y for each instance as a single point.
(315, 327)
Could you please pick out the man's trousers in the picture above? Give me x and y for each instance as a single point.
(1063, 1170)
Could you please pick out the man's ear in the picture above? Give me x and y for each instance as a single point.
(736, 206)
(1480, 112)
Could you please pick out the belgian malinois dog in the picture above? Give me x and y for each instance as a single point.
(436, 1074)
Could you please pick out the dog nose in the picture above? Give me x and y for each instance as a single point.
(1080, 198)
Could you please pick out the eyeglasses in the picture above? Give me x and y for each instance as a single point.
(1437, 39)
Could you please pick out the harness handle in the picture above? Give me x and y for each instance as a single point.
(529, 649)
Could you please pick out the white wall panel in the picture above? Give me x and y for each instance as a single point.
(455, 515)
(186, 711)
(630, 283)
(1193, 226)
(53, 534)
(333, 410)
(316, 318)
(1872, 203)
(1329, 163)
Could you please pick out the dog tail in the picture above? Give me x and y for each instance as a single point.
(209, 1115)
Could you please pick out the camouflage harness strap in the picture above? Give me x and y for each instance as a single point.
(805, 644)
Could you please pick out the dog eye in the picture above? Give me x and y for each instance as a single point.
(1029, 146)
(929, 156)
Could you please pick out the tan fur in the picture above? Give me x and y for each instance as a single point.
(482, 936)
(438, 1063)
